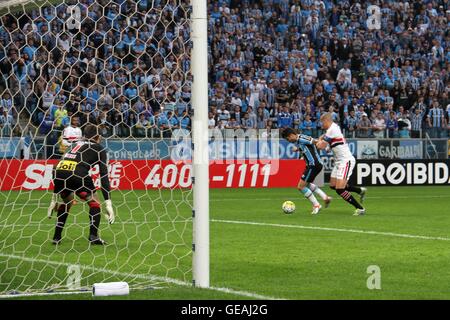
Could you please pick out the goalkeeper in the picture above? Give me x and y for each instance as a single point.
(72, 177)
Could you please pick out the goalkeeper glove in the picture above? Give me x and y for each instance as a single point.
(110, 212)
(53, 206)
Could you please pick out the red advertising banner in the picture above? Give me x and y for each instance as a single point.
(154, 174)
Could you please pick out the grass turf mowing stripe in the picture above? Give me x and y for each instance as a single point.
(382, 233)
(295, 226)
(38, 223)
(277, 196)
(143, 276)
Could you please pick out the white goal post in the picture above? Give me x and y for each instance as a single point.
(199, 58)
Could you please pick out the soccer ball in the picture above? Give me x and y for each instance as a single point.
(288, 207)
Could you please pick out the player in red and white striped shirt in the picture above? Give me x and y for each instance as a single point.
(344, 163)
(71, 134)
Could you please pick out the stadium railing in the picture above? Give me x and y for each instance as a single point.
(434, 133)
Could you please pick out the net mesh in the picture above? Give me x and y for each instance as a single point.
(123, 65)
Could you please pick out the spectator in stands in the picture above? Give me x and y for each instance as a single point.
(404, 126)
(236, 113)
(401, 112)
(173, 121)
(282, 93)
(391, 125)
(416, 123)
(60, 115)
(261, 118)
(185, 121)
(350, 124)
(307, 126)
(46, 124)
(419, 104)
(221, 124)
(379, 126)
(364, 125)
(211, 121)
(345, 74)
(258, 55)
(223, 114)
(297, 116)
(162, 123)
(105, 125)
(436, 119)
(311, 73)
(232, 124)
(284, 118)
(129, 127)
(6, 103)
(6, 123)
(248, 122)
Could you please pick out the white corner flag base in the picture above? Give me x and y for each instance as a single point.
(110, 289)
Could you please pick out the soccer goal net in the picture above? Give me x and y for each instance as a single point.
(125, 66)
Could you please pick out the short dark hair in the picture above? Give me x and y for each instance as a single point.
(287, 132)
(91, 131)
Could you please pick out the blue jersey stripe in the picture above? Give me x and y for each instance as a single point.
(308, 155)
(317, 155)
(309, 150)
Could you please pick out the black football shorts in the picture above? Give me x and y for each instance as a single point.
(311, 173)
(66, 180)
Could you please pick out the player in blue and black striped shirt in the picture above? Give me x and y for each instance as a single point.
(305, 145)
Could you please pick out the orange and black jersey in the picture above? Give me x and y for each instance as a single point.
(81, 158)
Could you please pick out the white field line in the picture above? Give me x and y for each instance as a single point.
(138, 276)
(293, 226)
(42, 294)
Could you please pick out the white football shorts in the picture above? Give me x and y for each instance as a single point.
(343, 169)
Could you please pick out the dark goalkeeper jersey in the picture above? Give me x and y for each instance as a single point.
(81, 158)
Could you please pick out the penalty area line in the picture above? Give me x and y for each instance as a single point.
(131, 275)
(294, 226)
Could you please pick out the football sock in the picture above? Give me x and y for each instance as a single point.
(63, 213)
(353, 189)
(94, 215)
(347, 196)
(317, 190)
(310, 196)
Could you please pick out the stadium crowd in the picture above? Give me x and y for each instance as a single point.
(272, 64)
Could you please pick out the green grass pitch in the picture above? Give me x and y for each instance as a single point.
(256, 250)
